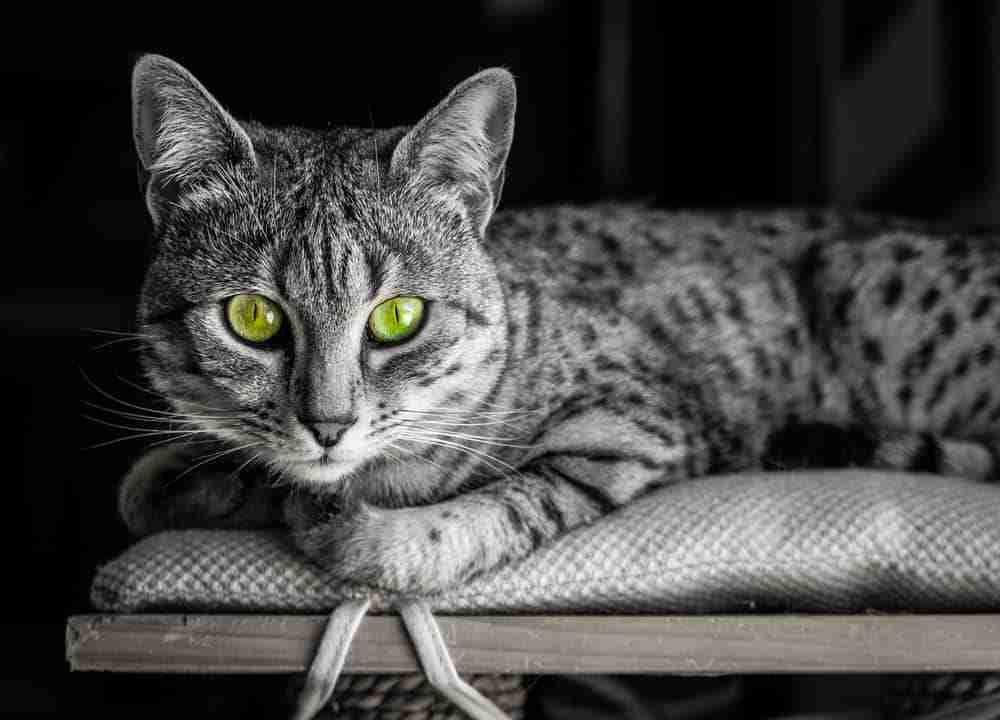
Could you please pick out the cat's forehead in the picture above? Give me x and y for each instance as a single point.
(323, 167)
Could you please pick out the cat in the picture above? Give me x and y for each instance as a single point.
(356, 342)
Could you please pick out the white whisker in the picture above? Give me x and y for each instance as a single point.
(217, 456)
(458, 446)
(484, 439)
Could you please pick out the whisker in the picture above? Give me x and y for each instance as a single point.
(418, 456)
(139, 436)
(112, 398)
(458, 446)
(235, 473)
(462, 424)
(116, 341)
(484, 439)
(469, 413)
(139, 429)
(160, 416)
(120, 333)
(218, 456)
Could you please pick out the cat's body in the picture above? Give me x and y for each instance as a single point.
(572, 359)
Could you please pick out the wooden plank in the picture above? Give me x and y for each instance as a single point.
(547, 644)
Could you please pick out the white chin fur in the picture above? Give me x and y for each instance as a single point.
(319, 476)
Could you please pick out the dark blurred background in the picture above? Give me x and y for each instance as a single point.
(888, 106)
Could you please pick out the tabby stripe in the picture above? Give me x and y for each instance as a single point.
(470, 312)
(345, 265)
(376, 272)
(595, 495)
(469, 462)
(328, 262)
(534, 320)
(418, 357)
(607, 456)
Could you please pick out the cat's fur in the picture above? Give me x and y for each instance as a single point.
(572, 359)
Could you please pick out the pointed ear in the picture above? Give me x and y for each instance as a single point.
(182, 135)
(461, 146)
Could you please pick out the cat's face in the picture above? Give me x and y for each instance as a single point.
(312, 294)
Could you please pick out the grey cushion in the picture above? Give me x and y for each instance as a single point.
(817, 541)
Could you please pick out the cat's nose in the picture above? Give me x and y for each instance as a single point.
(328, 431)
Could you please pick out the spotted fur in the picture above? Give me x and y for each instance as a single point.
(572, 359)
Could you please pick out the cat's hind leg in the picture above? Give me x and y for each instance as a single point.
(164, 489)
(826, 445)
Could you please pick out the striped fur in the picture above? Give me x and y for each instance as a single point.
(572, 359)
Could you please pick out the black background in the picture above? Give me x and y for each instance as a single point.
(724, 105)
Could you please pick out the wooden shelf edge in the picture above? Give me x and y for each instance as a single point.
(546, 644)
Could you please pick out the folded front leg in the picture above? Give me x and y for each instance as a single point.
(425, 549)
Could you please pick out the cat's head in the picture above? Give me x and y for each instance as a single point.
(308, 290)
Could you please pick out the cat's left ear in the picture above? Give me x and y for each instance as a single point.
(461, 146)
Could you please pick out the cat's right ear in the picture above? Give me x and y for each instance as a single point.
(182, 134)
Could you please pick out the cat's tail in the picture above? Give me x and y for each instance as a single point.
(815, 445)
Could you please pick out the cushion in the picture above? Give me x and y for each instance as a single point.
(830, 541)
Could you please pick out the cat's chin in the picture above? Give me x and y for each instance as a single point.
(321, 474)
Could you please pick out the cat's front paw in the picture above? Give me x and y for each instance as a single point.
(386, 551)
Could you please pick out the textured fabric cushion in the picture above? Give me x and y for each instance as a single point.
(820, 541)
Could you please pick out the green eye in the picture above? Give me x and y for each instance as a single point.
(396, 319)
(253, 317)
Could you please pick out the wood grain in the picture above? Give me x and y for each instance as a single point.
(546, 644)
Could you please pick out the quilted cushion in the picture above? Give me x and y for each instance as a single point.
(819, 541)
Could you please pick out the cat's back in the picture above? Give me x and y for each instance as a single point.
(610, 248)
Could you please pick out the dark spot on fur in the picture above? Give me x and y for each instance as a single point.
(958, 248)
(920, 360)
(841, 305)
(947, 323)
(734, 307)
(610, 243)
(937, 392)
(816, 391)
(986, 354)
(983, 400)
(982, 307)
(905, 396)
(785, 369)
(434, 535)
(904, 252)
(893, 290)
(962, 367)
(961, 276)
(872, 350)
(929, 299)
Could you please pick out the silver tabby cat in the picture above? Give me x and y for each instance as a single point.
(350, 339)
